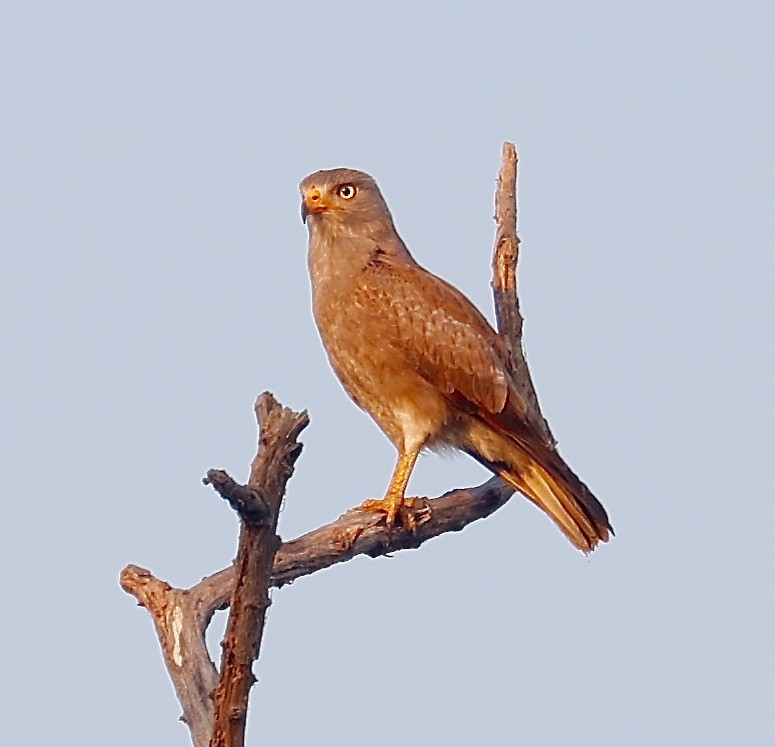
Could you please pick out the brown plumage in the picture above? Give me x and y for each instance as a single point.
(417, 355)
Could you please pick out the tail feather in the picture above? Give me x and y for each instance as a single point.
(543, 477)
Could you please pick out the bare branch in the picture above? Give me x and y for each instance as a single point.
(181, 619)
(359, 532)
(181, 616)
(506, 254)
(504, 286)
(246, 500)
(278, 450)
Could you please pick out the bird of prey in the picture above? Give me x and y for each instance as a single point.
(417, 355)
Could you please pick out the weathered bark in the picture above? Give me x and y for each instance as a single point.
(181, 618)
(215, 708)
(259, 509)
(505, 290)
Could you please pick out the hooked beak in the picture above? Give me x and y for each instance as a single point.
(315, 203)
(312, 203)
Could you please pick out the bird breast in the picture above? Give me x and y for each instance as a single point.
(359, 331)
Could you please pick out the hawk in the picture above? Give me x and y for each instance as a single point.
(416, 354)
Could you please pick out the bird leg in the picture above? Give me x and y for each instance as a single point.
(394, 505)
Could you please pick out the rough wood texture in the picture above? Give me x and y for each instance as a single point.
(504, 285)
(259, 509)
(360, 532)
(246, 500)
(181, 616)
(215, 708)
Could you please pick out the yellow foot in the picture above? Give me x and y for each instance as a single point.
(406, 512)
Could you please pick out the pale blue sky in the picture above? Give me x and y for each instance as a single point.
(154, 282)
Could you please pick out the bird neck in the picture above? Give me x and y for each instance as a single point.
(337, 252)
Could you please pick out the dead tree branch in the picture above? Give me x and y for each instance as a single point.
(215, 707)
(181, 618)
(259, 509)
(504, 286)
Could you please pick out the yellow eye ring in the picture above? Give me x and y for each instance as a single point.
(346, 191)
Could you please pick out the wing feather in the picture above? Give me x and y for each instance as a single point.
(443, 336)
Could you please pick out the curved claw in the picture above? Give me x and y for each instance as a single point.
(405, 512)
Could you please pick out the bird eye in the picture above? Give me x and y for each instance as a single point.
(346, 191)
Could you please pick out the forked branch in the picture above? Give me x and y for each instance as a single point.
(215, 707)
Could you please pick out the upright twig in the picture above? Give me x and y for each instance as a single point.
(504, 286)
(506, 254)
(259, 509)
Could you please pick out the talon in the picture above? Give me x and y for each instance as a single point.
(406, 512)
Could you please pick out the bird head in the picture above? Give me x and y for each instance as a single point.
(342, 197)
